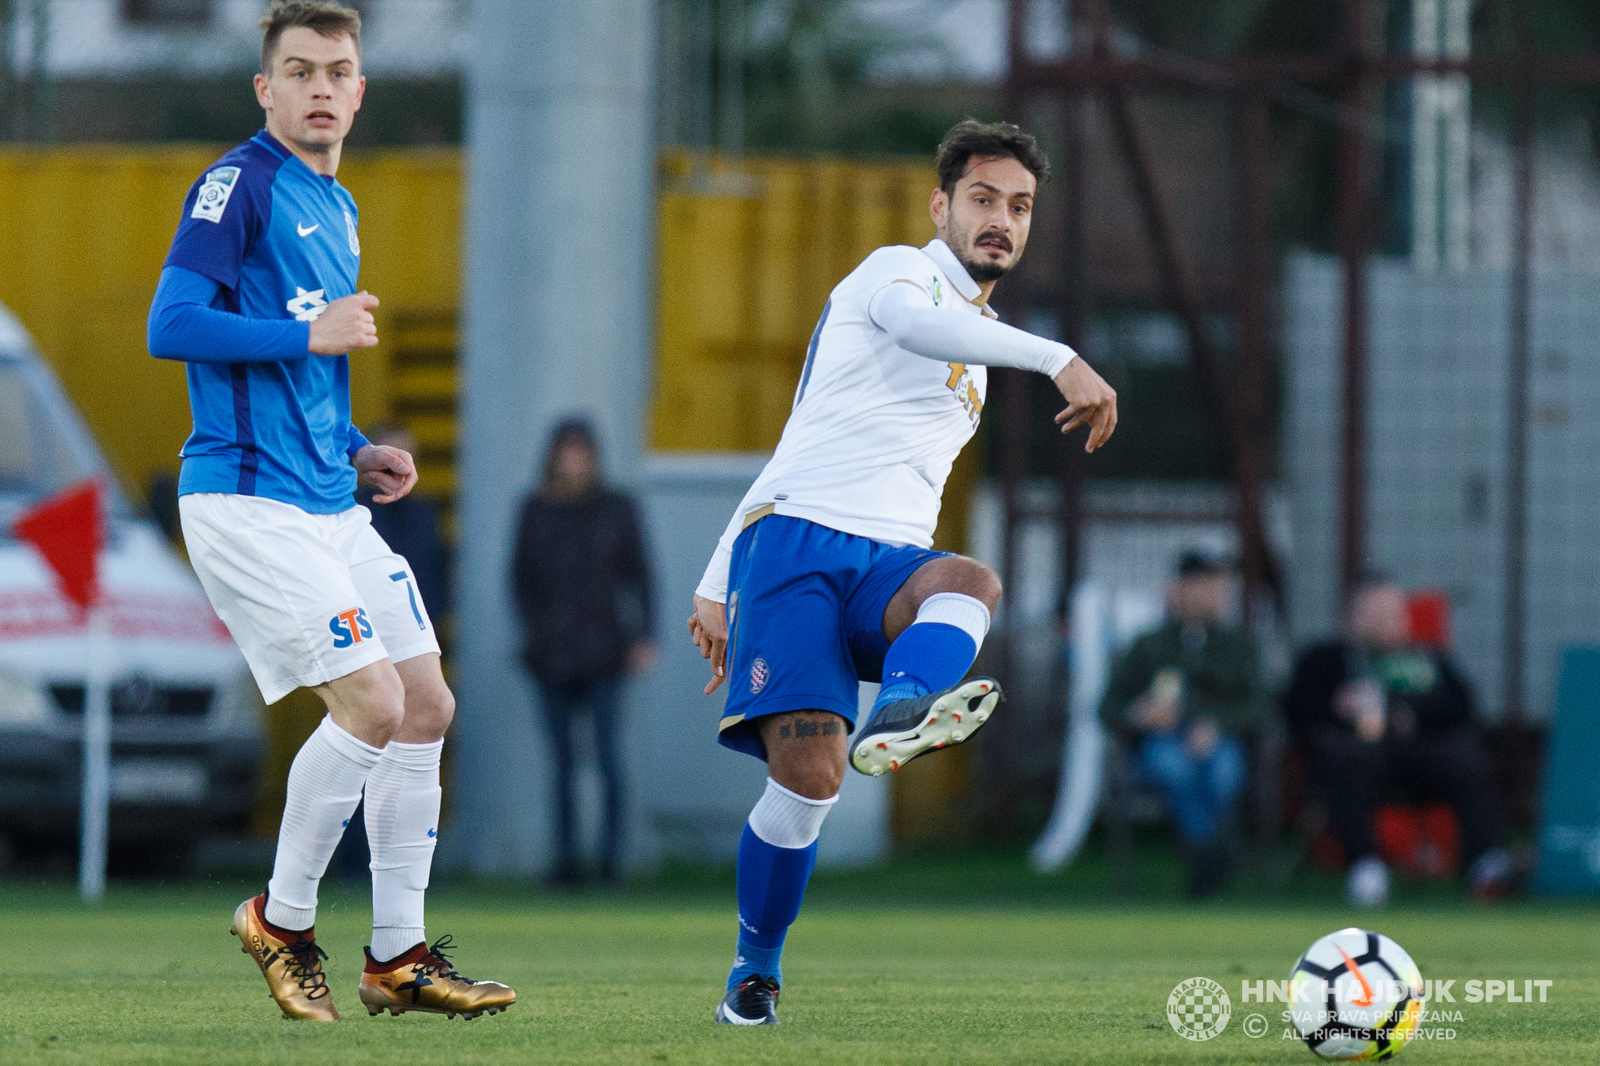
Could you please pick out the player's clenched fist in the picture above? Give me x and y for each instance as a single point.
(708, 627)
(345, 326)
(390, 472)
(1090, 402)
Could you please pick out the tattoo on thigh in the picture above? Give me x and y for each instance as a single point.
(801, 728)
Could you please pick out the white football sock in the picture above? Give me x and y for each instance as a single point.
(967, 613)
(786, 819)
(402, 828)
(324, 787)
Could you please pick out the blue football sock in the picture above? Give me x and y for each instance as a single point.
(772, 882)
(927, 657)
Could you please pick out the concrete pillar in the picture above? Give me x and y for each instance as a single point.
(556, 314)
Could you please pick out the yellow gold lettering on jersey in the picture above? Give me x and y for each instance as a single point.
(960, 383)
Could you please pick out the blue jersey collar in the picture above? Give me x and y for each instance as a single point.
(273, 145)
(277, 148)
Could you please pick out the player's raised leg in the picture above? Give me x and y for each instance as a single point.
(805, 758)
(277, 929)
(936, 623)
(403, 973)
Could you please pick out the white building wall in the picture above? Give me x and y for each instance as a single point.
(90, 38)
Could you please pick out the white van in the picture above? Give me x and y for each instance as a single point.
(186, 719)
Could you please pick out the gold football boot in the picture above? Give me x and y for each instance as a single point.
(423, 979)
(292, 967)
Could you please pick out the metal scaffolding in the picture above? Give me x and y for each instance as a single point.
(1342, 84)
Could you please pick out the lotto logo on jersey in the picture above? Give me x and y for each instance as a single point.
(307, 306)
(212, 199)
(350, 627)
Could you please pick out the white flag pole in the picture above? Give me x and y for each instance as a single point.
(96, 803)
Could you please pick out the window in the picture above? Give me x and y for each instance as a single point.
(44, 446)
(176, 13)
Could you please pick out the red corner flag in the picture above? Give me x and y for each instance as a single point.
(66, 530)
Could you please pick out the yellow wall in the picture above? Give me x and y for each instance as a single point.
(83, 232)
(747, 257)
(745, 263)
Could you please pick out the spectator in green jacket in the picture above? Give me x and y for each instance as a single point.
(1182, 694)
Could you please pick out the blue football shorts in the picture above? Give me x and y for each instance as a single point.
(805, 621)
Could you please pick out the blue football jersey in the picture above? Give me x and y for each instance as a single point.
(281, 241)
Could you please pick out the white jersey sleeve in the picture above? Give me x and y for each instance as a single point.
(876, 423)
(909, 316)
(714, 583)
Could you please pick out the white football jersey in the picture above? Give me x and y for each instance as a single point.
(874, 429)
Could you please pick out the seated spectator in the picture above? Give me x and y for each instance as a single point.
(1183, 693)
(1379, 713)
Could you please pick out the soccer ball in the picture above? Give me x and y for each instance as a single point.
(1355, 994)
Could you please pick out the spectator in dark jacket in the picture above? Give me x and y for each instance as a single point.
(1183, 693)
(583, 591)
(1380, 714)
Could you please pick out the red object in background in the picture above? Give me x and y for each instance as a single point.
(1429, 612)
(66, 528)
(1418, 839)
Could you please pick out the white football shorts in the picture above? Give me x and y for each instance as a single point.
(307, 597)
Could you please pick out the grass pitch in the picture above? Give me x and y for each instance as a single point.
(896, 969)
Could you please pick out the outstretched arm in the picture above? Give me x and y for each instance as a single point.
(908, 314)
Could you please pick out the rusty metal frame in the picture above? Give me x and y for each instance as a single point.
(1352, 72)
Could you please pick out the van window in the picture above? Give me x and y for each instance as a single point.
(37, 456)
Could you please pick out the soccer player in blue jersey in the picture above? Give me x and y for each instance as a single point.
(826, 573)
(259, 299)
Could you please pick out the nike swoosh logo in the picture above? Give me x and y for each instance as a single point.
(1355, 971)
(306, 231)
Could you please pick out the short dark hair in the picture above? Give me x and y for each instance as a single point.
(573, 429)
(328, 17)
(970, 138)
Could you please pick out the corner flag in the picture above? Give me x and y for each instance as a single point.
(66, 530)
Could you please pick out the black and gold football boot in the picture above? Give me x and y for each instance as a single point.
(423, 979)
(291, 963)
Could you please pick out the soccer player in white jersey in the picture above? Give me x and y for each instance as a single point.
(826, 572)
(258, 298)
